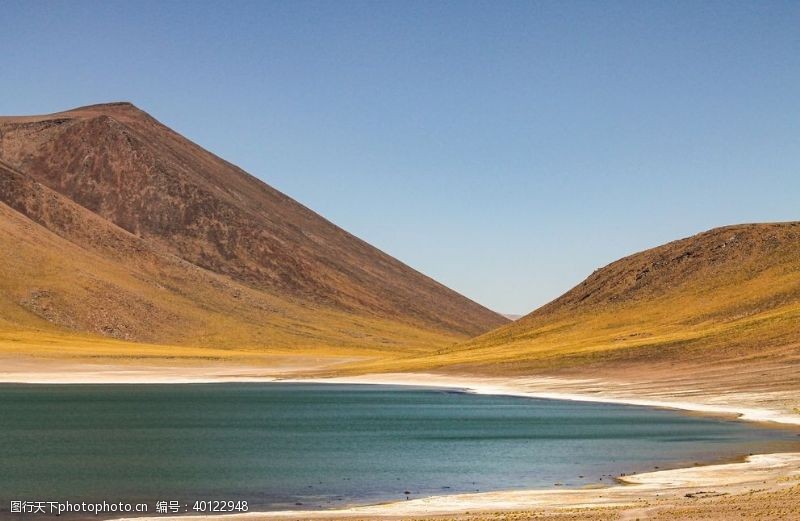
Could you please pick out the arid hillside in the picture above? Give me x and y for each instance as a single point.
(728, 295)
(113, 224)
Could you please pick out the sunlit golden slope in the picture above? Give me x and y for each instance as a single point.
(728, 294)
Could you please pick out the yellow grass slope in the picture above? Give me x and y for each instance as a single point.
(731, 294)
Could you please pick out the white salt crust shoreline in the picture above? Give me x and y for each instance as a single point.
(530, 388)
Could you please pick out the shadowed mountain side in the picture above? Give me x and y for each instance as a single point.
(126, 168)
(731, 294)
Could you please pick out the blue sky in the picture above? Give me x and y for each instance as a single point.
(506, 149)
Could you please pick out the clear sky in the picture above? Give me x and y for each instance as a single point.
(506, 149)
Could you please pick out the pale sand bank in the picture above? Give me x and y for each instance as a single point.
(30, 370)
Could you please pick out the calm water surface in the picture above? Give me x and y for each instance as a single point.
(325, 446)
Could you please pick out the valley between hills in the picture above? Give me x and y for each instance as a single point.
(124, 243)
(130, 254)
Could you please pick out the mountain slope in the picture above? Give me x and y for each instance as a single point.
(65, 269)
(114, 224)
(729, 294)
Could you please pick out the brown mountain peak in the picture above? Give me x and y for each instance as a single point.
(110, 108)
(125, 168)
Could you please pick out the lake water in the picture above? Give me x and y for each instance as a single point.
(324, 446)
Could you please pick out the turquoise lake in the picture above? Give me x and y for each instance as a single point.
(291, 446)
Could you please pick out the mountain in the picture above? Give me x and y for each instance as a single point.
(115, 225)
(729, 294)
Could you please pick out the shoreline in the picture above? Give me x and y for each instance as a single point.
(757, 472)
(493, 386)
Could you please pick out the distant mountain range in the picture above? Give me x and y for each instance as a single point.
(112, 224)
